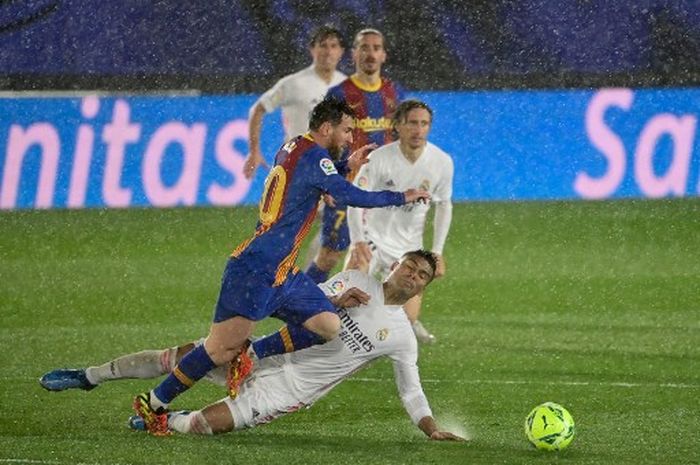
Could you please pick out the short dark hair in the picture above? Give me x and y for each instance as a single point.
(429, 257)
(322, 33)
(330, 109)
(405, 108)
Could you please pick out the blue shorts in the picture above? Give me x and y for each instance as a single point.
(335, 234)
(249, 293)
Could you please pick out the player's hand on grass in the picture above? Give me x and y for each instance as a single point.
(353, 297)
(360, 156)
(252, 161)
(446, 436)
(416, 195)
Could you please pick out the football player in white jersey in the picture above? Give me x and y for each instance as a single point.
(375, 327)
(381, 236)
(297, 93)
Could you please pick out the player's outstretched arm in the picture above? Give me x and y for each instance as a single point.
(416, 195)
(412, 395)
(255, 157)
(344, 192)
(430, 428)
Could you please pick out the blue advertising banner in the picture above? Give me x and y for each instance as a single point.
(95, 151)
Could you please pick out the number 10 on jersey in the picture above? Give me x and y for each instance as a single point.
(271, 201)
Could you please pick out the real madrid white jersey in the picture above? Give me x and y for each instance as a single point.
(396, 230)
(297, 94)
(367, 333)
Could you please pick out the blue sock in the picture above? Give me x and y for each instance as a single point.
(191, 369)
(316, 274)
(288, 339)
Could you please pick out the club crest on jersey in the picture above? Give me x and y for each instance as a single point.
(382, 334)
(425, 185)
(362, 182)
(328, 167)
(337, 286)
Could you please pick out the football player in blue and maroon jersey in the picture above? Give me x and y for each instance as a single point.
(374, 99)
(261, 278)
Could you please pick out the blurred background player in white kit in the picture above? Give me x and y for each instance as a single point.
(297, 93)
(381, 236)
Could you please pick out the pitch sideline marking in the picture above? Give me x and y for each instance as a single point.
(50, 462)
(621, 384)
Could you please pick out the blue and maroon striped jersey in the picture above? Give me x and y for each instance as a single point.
(374, 107)
(303, 171)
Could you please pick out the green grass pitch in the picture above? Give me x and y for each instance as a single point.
(594, 305)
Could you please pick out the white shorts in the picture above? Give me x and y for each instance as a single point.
(264, 396)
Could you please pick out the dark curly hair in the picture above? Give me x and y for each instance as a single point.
(329, 109)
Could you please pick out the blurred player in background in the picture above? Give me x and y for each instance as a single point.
(261, 278)
(374, 99)
(380, 236)
(284, 384)
(297, 93)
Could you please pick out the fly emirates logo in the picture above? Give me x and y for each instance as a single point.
(352, 335)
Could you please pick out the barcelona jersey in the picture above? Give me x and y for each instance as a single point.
(374, 108)
(303, 171)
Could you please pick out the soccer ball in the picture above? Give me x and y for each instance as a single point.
(550, 427)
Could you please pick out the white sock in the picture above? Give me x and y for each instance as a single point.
(192, 423)
(144, 364)
(156, 403)
(251, 353)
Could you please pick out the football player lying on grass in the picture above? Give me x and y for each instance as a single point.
(375, 327)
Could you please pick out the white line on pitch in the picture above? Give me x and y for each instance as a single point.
(48, 462)
(29, 461)
(622, 384)
(550, 383)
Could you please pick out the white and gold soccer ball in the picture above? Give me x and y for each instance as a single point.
(550, 427)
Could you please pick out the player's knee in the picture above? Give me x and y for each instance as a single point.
(216, 419)
(226, 338)
(220, 352)
(325, 324)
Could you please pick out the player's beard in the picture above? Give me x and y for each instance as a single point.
(371, 66)
(335, 151)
